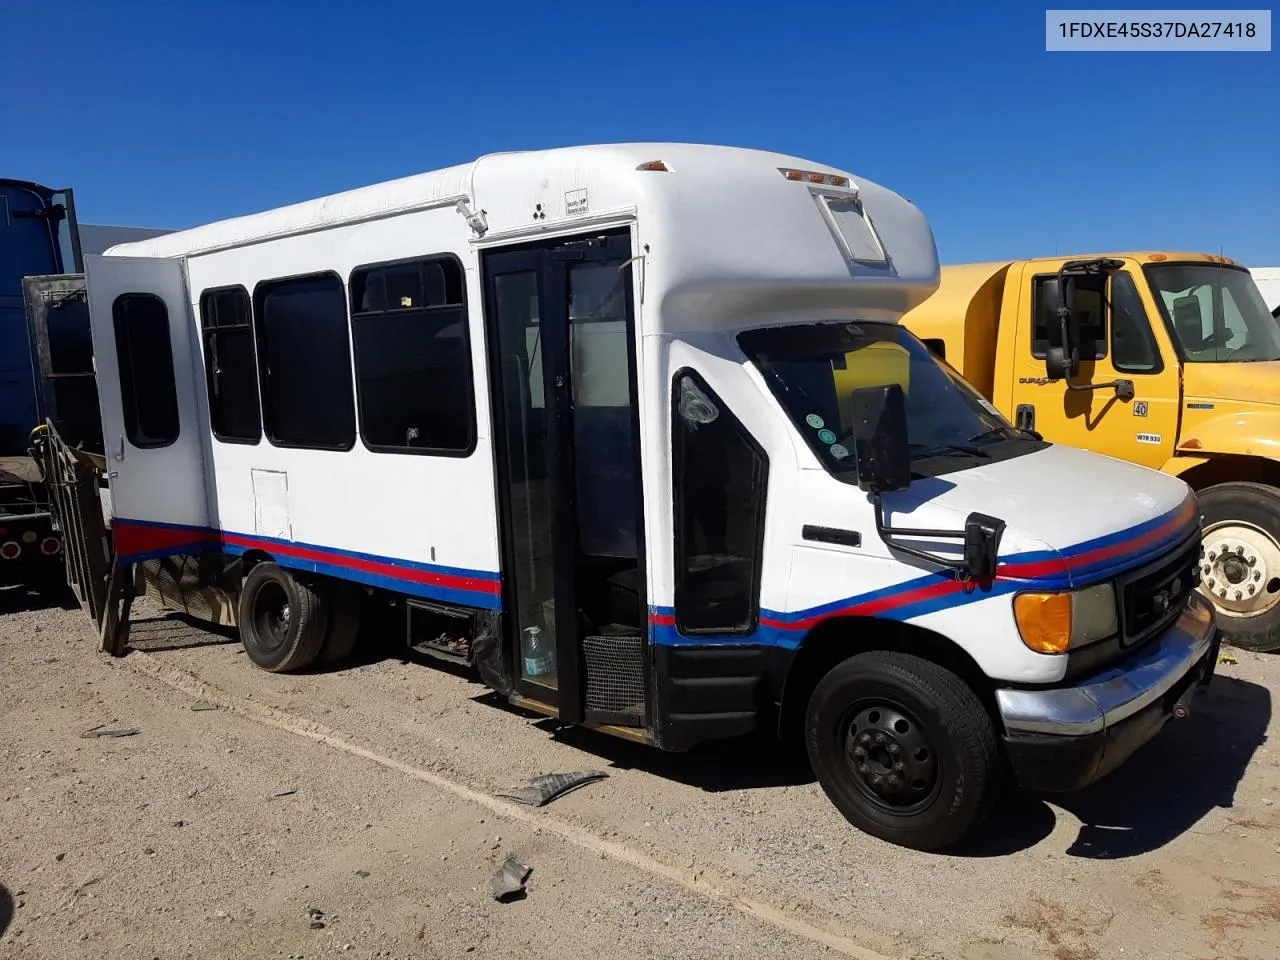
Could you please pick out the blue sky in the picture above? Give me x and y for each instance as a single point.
(174, 114)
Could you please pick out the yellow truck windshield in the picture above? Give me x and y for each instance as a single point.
(814, 369)
(1215, 313)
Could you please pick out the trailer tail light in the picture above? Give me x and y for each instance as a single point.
(50, 546)
(28, 536)
(10, 550)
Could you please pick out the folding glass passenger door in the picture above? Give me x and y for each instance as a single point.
(562, 368)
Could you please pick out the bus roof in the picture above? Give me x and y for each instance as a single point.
(723, 227)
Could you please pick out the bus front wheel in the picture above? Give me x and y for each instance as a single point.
(903, 748)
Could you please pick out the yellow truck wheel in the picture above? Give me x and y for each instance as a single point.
(1240, 562)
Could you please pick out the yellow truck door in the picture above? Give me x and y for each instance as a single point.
(1117, 342)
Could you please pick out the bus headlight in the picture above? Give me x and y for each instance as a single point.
(1064, 620)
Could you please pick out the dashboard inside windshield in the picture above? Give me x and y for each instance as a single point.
(1215, 312)
(813, 370)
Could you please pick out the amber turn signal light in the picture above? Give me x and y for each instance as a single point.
(1044, 620)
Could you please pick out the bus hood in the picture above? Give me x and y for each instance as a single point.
(1249, 383)
(1070, 515)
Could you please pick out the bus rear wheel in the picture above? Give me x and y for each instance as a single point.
(283, 621)
(1240, 562)
(903, 748)
(344, 623)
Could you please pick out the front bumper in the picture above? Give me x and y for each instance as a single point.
(1064, 738)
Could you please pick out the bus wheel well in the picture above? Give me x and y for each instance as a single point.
(1232, 468)
(835, 640)
(251, 558)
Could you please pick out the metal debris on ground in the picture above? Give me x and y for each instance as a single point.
(542, 789)
(101, 731)
(1227, 658)
(315, 918)
(286, 793)
(200, 705)
(508, 882)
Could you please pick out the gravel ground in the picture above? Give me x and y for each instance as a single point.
(731, 850)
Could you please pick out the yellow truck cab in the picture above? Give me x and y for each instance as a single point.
(1169, 360)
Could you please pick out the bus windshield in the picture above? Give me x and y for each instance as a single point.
(813, 370)
(1215, 312)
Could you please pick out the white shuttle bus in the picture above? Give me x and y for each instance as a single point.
(633, 429)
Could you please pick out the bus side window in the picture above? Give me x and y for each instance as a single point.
(147, 387)
(412, 357)
(304, 362)
(721, 476)
(231, 372)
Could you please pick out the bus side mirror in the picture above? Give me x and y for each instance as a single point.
(880, 446)
(1061, 364)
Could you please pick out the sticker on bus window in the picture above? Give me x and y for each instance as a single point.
(839, 451)
(826, 436)
(815, 421)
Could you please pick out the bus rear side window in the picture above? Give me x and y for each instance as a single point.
(143, 351)
(412, 357)
(230, 370)
(304, 362)
(721, 475)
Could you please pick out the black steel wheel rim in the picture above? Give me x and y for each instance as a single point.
(892, 759)
(271, 616)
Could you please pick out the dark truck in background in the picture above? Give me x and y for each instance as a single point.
(38, 239)
(46, 364)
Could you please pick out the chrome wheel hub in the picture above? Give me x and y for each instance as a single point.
(1240, 569)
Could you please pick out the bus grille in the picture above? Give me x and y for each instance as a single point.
(1151, 598)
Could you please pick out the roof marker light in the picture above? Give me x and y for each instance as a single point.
(1157, 257)
(813, 176)
(656, 165)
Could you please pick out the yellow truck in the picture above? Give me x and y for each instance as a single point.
(1170, 360)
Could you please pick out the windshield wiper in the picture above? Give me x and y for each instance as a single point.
(1006, 433)
(950, 449)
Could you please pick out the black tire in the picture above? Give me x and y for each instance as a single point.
(1259, 506)
(282, 620)
(947, 761)
(344, 623)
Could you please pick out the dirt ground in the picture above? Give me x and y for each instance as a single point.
(245, 800)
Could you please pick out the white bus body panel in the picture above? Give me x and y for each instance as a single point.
(426, 525)
(161, 488)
